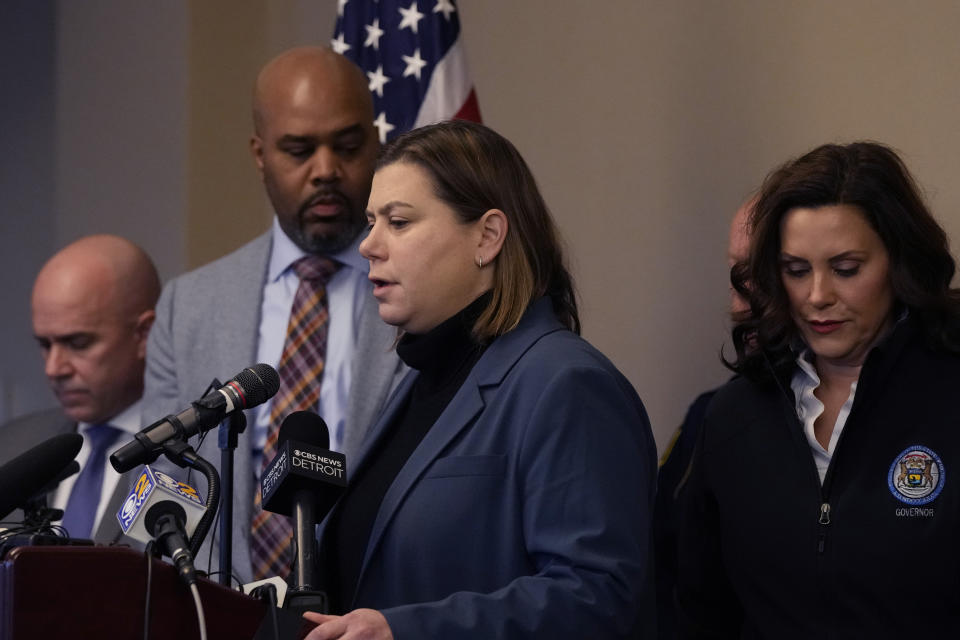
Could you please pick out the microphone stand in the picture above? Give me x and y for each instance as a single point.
(302, 595)
(227, 437)
(300, 601)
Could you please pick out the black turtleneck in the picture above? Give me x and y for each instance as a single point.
(443, 357)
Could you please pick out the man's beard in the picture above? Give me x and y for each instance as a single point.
(328, 243)
(331, 242)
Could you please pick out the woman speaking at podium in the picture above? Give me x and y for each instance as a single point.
(506, 491)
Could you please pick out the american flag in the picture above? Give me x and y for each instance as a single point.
(412, 53)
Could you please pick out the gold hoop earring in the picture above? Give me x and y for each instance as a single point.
(480, 262)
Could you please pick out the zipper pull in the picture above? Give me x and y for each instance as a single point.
(824, 519)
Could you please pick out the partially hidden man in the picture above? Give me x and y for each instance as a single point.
(92, 307)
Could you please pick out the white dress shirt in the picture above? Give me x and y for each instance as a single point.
(805, 380)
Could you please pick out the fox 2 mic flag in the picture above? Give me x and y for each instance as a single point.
(412, 53)
(154, 486)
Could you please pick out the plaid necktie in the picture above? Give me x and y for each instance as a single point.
(84, 499)
(301, 372)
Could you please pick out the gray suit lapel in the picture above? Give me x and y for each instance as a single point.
(236, 318)
(109, 531)
(376, 371)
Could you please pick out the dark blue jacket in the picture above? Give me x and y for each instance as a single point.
(767, 552)
(525, 512)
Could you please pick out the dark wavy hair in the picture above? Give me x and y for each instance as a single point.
(873, 178)
(474, 169)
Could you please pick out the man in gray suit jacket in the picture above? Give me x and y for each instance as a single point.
(92, 308)
(315, 145)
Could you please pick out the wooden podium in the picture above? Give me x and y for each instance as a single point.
(100, 592)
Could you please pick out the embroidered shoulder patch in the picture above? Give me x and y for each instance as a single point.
(916, 476)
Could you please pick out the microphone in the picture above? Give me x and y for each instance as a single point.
(31, 471)
(165, 520)
(35, 509)
(164, 509)
(72, 467)
(304, 480)
(249, 388)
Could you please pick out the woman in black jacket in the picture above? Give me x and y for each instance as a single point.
(819, 503)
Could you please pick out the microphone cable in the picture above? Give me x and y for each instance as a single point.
(210, 573)
(148, 554)
(194, 591)
(201, 620)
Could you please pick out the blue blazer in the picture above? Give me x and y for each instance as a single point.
(525, 512)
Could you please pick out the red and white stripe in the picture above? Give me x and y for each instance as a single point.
(450, 94)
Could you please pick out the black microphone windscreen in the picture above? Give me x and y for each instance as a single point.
(161, 509)
(71, 468)
(24, 476)
(306, 427)
(259, 382)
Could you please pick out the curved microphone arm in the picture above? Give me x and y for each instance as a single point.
(183, 455)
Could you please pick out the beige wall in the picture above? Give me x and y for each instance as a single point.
(223, 209)
(645, 122)
(648, 122)
(229, 42)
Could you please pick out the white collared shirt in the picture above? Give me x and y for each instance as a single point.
(345, 293)
(127, 421)
(805, 380)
